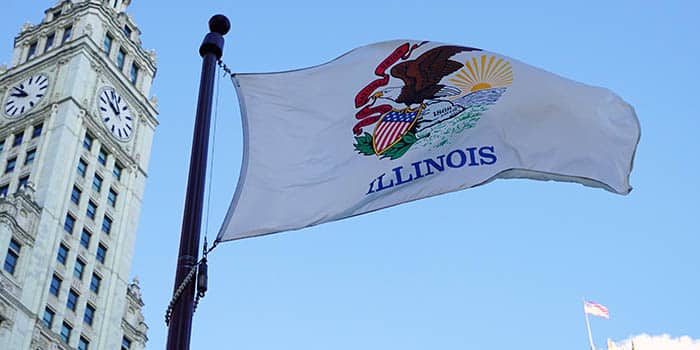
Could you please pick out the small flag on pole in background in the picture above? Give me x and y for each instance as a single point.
(595, 309)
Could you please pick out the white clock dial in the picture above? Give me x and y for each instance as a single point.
(22, 97)
(115, 114)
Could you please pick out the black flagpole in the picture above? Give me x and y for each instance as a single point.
(180, 326)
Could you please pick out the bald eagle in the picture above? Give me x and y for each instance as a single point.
(421, 76)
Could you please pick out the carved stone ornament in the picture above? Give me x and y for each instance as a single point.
(27, 26)
(88, 29)
(154, 101)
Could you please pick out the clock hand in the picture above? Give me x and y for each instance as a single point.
(114, 109)
(19, 93)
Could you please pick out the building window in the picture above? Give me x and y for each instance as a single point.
(82, 168)
(23, 182)
(91, 209)
(66, 34)
(102, 157)
(12, 256)
(36, 132)
(95, 283)
(121, 55)
(32, 51)
(126, 343)
(69, 224)
(75, 195)
(11, 165)
(89, 314)
(112, 198)
(127, 31)
(62, 254)
(18, 139)
(97, 183)
(56, 14)
(49, 41)
(106, 224)
(117, 171)
(48, 317)
(55, 286)
(134, 73)
(83, 344)
(29, 159)
(66, 330)
(79, 269)
(72, 301)
(101, 253)
(3, 190)
(2, 146)
(107, 43)
(87, 141)
(85, 238)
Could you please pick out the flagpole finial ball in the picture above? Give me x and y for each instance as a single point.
(219, 24)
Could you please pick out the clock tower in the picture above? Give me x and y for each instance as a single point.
(76, 127)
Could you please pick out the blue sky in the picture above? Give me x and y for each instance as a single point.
(499, 266)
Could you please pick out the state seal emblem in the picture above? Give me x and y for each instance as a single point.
(439, 97)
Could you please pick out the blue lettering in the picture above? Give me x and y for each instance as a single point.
(371, 187)
(380, 183)
(485, 155)
(435, 165)
(472, 156)
(462, 159)
(416, 167)
(488, 155)
(399, 180)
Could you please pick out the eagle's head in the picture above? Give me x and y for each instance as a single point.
(390, 93)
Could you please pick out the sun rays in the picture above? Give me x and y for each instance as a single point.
(484, 72)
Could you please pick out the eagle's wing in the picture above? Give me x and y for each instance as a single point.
(428, 69)
(408, 72)
(436, 64)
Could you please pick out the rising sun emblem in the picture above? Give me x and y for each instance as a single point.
(483, 73)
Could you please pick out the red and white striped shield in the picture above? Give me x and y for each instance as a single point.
(393, 125)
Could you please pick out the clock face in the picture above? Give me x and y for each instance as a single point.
(24, 96)
(115, 114)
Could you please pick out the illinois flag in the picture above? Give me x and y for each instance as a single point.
(595, 309)
(402, 120)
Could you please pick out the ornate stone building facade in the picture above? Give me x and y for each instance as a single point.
(76, 127)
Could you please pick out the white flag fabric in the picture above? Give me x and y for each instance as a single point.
(595, 309)
(402, 120)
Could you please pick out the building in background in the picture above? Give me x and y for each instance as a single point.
(76, 127)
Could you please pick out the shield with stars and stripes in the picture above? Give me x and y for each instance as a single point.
(392, 126)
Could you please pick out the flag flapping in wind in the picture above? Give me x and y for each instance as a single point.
(402, 120)
(595, 309)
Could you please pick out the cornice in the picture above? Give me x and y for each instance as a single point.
(84, 8)
(10, 209)
(135, 333)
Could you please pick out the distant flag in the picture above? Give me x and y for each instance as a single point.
(595, 309)
(398, 121)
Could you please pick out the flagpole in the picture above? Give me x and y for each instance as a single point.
(588, 326)
(180, 325)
